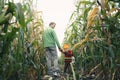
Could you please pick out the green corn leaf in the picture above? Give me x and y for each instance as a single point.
(20, 15)
(11, 8)
(118, 65)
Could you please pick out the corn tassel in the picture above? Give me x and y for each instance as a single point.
(91, 16)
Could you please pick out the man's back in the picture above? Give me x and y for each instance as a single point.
(50, 38)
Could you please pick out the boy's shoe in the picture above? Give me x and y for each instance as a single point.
(46, 77)
(65, 74)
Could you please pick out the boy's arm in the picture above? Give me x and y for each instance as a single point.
(73, 58)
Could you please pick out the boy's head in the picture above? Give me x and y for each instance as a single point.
(66, 47)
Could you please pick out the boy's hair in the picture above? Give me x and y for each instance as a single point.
(51, 23)
(66, 46)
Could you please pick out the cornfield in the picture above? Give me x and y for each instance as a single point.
(93, 33)
(21, 48)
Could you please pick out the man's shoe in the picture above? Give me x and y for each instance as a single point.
(56, 74)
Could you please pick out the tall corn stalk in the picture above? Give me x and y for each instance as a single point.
(21, 49)
(94, 34)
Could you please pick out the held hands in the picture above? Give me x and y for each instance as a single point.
(60, 50)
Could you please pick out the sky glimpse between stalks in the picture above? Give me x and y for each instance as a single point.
(58, 11)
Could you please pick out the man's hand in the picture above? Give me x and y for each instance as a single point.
(60, 50)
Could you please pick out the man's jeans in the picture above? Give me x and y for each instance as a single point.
(51, 57)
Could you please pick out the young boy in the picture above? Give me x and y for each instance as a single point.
(68, 58)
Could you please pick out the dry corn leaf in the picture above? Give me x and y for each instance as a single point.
(106, 1)
(94, 11)
(111, 11)
(78, 44)
(91, 16)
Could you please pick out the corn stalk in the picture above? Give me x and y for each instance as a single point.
(94, 36)
(21, 48)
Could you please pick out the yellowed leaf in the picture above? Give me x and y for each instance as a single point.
(111, 11)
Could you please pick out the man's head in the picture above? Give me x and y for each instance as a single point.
(52, 24)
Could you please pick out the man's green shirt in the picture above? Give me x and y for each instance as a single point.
(50, 38)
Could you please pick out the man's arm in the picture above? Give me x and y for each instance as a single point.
(56, 40)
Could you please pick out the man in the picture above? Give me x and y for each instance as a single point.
(50, 41)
